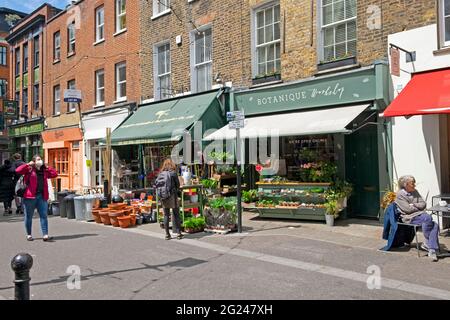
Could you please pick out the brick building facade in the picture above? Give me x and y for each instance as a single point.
(26, 69)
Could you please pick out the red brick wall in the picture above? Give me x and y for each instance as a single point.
(89, 57)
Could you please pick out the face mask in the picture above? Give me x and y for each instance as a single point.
(39, 163)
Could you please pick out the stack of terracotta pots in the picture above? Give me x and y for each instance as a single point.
(117, 215)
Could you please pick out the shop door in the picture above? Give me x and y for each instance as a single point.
(361, 156)
(76, 181)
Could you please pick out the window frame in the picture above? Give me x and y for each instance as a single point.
(158, 94)
(57, 46)
(157, 5)
(441, 24)
(99, 26)
(56, 101)
(334, 25)
(119, 15)
(118, 82)
(256, 46)
(17, 61)
(71, 41)
(36, 96)
(98, 89)
(71, 106)
(25, 101)
(194, 65)
(25, 58)
(3, 56)
(3, 84)
(36, 52)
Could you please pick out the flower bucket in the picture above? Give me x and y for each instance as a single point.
(329, 218)
(104, 216)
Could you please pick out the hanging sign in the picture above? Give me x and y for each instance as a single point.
(88, 163)
(395, 62)
(10, 109)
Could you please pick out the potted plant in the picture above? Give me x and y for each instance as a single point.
(266, 77)
(193, 224)
(249, 196)
(210, 185)
(346, 60)
(221, 214)
(332, 209)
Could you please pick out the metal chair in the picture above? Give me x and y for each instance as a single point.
(416, 227)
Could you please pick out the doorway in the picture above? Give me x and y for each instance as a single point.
(361, 154)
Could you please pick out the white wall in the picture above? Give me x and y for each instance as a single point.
(416, 140)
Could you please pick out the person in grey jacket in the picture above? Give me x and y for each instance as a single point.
(411, 207)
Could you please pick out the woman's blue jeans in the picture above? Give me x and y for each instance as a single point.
(42, 207)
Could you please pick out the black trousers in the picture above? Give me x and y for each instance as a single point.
(176, 220)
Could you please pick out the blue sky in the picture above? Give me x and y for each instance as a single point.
(28, 6)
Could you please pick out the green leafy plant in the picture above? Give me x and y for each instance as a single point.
(194, 223)
(332, 207)
(249, 196)
(209, 183)
(221, 157)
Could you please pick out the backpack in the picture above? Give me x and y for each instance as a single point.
(21, 187)
(163, 185)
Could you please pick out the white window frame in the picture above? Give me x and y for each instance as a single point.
(100, 24)
(119, 15)
(71, 106)
(56, 100)
(160, 8)
(71, 40)
(98, 89)
(194, 65)
(441, 10)
(119, 96)
(158, 94)
(321, 32)
(57, 46)
(256, 46)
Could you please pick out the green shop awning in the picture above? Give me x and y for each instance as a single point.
(165, 121)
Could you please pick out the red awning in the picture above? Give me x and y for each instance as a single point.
(425, 93)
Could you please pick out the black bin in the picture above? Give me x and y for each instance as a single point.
(54, 208)
(62, 203)
(70, 206)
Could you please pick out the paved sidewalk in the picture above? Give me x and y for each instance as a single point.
(356, 233)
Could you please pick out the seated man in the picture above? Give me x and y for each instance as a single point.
(411, 206)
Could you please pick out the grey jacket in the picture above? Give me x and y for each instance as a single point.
(410, 205)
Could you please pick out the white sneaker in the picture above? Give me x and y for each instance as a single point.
(432, 255)
(424, 246)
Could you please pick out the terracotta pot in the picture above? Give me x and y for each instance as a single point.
(117, 206)
(104, 216)
(96, 215)
(113, 215)
(124, 221)
(132, 219)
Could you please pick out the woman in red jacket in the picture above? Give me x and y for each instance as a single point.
(36, 195)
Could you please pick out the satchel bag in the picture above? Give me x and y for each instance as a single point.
(21, 187)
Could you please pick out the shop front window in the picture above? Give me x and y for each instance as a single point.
(59, 159)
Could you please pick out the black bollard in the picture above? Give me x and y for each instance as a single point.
(21, 265)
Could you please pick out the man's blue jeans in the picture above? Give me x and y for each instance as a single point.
(42, 207)
(430, 229)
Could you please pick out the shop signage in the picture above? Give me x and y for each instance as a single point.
(323, 92)
(10, 109)
(72, 95)
(88, 163)
(395, 62)
(26, 130)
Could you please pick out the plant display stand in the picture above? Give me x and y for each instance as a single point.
(185, 202)
(290, 200)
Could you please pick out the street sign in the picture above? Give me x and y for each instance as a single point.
(238, 124)
(72, 95)
(10, 109)
(235, 115)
